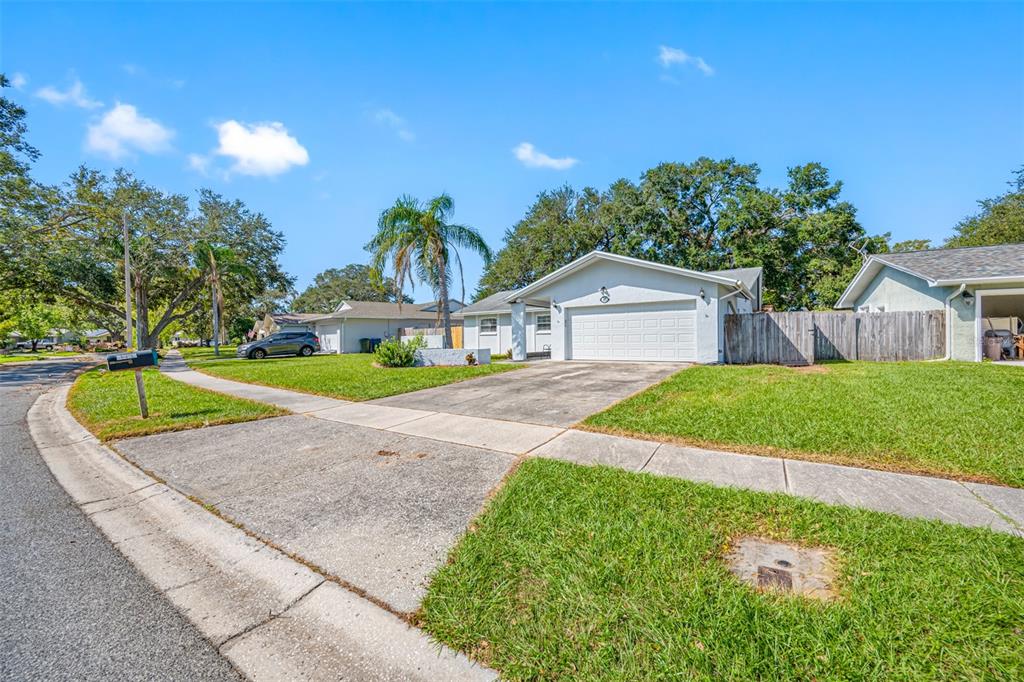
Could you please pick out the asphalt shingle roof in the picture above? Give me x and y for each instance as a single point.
(1006, 260)
(387, 311)
(495, 303)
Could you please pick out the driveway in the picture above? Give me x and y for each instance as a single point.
(377, 509)
(545, 392)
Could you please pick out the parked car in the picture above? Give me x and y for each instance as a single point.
(281, 343)
(44, 344)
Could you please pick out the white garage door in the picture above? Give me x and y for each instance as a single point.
(330, 336)
(662, 331)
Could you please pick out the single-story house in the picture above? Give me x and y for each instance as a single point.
(285, 322)
(609, 307)
(980, 288)
(341, 330)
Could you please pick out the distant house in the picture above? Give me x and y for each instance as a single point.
(980, 288)
(341, 330)
(285, 322)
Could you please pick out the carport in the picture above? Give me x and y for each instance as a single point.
(1000, 314)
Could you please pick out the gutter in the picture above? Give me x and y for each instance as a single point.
(949, 320)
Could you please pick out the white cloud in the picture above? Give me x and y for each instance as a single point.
(388, 118)
(132, 69)
(260, 148)
(75, 95)
(671, 56)
(531, 158)
(19, 80)
(199, 163)
(123, 130)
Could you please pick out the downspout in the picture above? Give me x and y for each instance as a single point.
(949, 320)
(341, 337)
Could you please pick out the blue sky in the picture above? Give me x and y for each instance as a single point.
(319, 115)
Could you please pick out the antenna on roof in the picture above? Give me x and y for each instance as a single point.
(860, 246)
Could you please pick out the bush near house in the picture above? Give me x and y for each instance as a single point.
(397, 353)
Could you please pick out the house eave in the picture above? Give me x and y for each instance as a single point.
(586, 260)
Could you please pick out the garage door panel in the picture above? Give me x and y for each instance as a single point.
(658, 332)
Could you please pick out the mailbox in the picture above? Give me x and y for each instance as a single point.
(136, 360)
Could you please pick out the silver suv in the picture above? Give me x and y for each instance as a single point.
(281, 343)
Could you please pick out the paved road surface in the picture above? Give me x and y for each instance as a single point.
(71, 606)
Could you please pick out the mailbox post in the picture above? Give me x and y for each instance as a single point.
(135, 361)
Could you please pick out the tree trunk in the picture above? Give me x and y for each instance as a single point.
(216, 319)
(446, 313)
(142, 339)
(35, 342)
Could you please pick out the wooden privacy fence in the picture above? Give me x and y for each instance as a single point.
(803, 338)
(406, 332)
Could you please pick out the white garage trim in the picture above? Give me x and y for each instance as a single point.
(665, 331)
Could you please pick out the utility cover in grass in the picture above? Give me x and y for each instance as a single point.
(784, 567)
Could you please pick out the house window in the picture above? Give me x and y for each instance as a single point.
(544, 323)
(488, 325)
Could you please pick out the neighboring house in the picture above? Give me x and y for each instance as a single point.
(285, 322)
(609, 307)
(341, 330)
(981, 288)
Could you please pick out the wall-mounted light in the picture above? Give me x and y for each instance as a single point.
(968, 299)
(605, 297)
(702, 294)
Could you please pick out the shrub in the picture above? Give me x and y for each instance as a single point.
(395, 353)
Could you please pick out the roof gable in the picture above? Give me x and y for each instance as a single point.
(943, 267)
(595, 256)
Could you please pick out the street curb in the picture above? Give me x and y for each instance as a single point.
(270, 616)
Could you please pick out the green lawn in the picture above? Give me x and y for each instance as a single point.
(350, 377)
(955, 419)
(107, 404)
(40, 355)
(596, 573)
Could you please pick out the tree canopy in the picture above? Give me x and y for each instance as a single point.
(355, 282)
(68, 242)
(705, 215)
(1000, 220)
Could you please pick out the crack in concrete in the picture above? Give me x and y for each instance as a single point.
(991, 506)
(653, 453)
(271, 618)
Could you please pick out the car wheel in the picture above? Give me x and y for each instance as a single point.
(258, 354)
(306, 351)
(49, 347)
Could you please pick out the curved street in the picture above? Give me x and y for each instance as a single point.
(74, 607)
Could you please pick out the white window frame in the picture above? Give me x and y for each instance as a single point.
(542, 330)
(486, 332)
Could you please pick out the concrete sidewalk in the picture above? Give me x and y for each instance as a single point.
(270, 615)
(970, 504)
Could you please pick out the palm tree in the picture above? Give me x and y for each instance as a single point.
(217, 261)
(420, 243)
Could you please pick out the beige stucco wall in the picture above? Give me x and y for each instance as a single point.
(897, 291)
